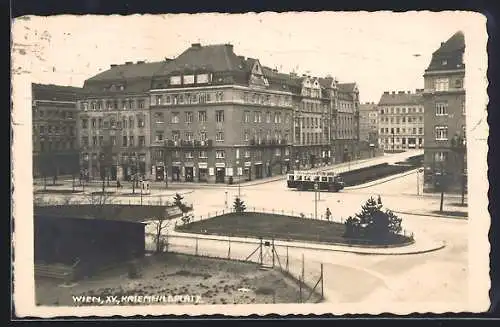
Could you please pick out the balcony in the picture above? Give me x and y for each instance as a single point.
(188, 144)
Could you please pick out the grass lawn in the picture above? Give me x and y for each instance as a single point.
(57, 191)
(252, 224)
(216, 281)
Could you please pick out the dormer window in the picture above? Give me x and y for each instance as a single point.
(122, 87)
(175, 80)
(444, 62)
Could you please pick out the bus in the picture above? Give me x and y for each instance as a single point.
(304, 181)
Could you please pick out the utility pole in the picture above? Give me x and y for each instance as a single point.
(315, 200)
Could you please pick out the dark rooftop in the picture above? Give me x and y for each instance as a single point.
(449, 56)
(399, 98)
(54, 92)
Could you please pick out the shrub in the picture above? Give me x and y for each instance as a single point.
(239, 205)
(373, 223)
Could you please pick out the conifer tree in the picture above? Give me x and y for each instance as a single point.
(368, 211)
(239, 205)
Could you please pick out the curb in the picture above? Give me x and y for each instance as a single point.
(306, 246)
(431, 215)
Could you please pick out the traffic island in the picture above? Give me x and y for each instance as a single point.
(284, 228)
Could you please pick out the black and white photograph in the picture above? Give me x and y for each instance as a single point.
(259, 163)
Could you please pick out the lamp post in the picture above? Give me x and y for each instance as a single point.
(239, 178)
(393, 144)
(316, 187)
(419, 171)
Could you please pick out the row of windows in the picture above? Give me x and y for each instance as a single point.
(123, 104)
(311, 138)
(219, 154)
(313, 107)
(399, 120)
(57, 145)
(50, 129)
(112, 123)
(403, 140)
(441, 132)
(62, 114)
(443, 84)
(401, 110)
(441, 108)
(397, 130)
(126, 141)
(257, 117)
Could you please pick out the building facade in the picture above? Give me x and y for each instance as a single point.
(368, 124)
(445, 129)
(401, 121)
(54, 116)
(346, 116)
(210, 115)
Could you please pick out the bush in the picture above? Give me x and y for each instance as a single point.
(373, 223)
(239, 205)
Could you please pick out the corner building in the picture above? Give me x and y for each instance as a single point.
(445, 129)
(216, 117)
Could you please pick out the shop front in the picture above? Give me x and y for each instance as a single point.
(259, 171)
(202, 172)
(220, 172)
(189, 172)
(176, 172)
(247, 171)
(159, 172)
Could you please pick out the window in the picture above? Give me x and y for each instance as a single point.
(277, 152)
(441, 108)
(141, 103)
(101, 140)
(124, 141)
(463, 107)
(246, 136)
(140, 122)
(159, 117)
(202, 116)
(94, 123)
(219, 154)
(130, 122)
(85, 140)
(188, 154)
(441, 133)
(113, 140)
(188, 136)
(188, 79)
(246, 116)
(420, 130)
(247, 153)
(203, 154)
(131, 141)
(219, 116)
(203, 136)
(397, 130)
(142, 141)
(441, 84)
(189, 117)
(175, 80)
(420, 119)
(158, 100)
(175, 118)
(381, 131)
(176, 135)
(202, 78)
(159, 136)
(219, 137)
(440, 156)
(414, 130)
(403, 120)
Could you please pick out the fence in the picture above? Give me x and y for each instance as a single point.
(290, 261)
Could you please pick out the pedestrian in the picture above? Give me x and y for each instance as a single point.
(328, 214)
(118, 184)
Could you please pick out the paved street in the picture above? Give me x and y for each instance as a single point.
(439, 276)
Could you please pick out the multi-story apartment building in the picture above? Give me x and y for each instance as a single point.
(54, 115)
(401, 121)
(444, 101)
(215, 116)
(368, 124)
(210, 115)
(114, 123)
(346, 113)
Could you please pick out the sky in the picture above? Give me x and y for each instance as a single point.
(381, 51)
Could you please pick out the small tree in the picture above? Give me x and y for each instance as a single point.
(99, 201)
(178, 201)
(239, 205)
(160, 224)
(351, 227)
(368, 211)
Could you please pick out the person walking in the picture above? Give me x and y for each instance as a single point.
(328, 214)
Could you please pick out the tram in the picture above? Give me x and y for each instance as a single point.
(305, 180)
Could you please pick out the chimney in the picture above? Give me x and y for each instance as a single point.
(229, 46)
(242, 58)
(168, 59)
(393, 92)
(401, 92)
(113, 65)
(386, 92)
(129, 62)
(196, 45)
(141, 62)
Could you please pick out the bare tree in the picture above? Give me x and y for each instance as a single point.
(98, 201)
(161, 224)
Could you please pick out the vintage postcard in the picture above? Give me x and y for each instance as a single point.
(238, 164)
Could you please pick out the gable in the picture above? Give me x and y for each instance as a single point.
(257, 69)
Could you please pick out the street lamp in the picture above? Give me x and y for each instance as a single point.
(419, 171)
(239, 178)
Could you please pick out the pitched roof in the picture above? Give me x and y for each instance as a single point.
(367, 106)
(400, 98)
(55, 92)
(129, 71)
(449, 56)
(326, 82)
(346, 87)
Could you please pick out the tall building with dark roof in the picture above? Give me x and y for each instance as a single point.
(210, 115)
(368, 124)
(401, 121)
(445, 129)
(54, 115)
